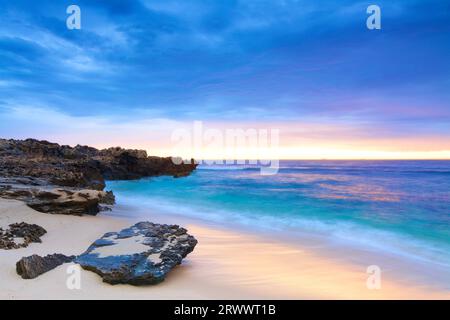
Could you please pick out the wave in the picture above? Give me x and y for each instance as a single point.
(222, 167)
(348, 233)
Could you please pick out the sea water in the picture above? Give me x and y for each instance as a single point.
(400, 207)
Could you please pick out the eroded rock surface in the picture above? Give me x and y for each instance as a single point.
(20, 235)
(69, 180)
(82, 166)
(140, 255)
(33, 266)
(51, 199)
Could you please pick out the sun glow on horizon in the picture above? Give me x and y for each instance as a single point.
(289, 153)
(309, 139)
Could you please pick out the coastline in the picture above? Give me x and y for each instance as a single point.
(226, 264)
(404, 268)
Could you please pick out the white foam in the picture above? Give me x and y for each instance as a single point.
(344, 233)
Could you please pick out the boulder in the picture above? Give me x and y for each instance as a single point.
(140, 255)
(33, 266)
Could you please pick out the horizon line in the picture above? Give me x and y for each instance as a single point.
(314, 159)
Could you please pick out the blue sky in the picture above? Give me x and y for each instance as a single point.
(278, 61)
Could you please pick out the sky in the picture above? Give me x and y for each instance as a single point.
(138, 70)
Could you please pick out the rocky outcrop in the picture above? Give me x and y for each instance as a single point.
(140, 255)
(59, 179)
(20, 235)
(50, 163)
(33, 266)
(50, 199)
(82, 166)
(123, 164)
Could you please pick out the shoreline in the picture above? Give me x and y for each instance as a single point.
(405, 269)
(226, 264)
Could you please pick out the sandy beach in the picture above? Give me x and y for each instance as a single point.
(224, 265)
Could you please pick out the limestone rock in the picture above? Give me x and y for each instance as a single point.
(140, 255)
(50, 199)
(82, 166)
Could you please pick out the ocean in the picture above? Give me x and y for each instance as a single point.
(398, 207)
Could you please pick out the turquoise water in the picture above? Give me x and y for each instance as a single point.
(397, 206)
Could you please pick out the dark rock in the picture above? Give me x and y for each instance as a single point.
(140, 255)
(29, 232)
(31, 170)
(33, 266)
(82, 166)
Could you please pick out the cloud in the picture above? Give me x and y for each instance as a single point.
(99, 131)
(312, 138)
(236, 60)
